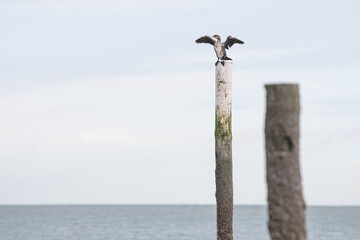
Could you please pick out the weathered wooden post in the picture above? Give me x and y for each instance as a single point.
(286, 206)
(223, 136)
(223, 152)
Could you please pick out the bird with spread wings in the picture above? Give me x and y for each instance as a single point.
(220, 47)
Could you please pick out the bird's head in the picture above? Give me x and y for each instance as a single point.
(217, 37)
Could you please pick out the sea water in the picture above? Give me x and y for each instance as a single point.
(161, 222)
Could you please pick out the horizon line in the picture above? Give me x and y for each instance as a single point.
(156, 204)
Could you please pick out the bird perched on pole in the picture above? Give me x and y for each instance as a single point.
(220, 47)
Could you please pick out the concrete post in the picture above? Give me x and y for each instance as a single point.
(223, 151)
(286, 206)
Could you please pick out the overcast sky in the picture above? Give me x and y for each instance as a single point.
(113, 102)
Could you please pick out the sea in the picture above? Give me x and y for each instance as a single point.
(161, 222)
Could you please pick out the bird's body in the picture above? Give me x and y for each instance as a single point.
(220, 47)
(219, 50)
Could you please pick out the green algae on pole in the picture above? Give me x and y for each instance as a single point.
(286, 205)
(223, 152)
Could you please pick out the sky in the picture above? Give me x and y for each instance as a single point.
(112, 102)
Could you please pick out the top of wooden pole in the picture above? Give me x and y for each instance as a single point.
(281, 85)
(219, 65)
(223, 73)
(282, 97)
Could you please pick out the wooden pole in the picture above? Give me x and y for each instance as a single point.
(223, 152)
(286, 206)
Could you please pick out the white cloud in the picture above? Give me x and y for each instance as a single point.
(356, 163)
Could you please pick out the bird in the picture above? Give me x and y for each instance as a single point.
(220, 47)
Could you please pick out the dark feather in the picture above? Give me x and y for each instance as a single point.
(231, 41)
(205, 39)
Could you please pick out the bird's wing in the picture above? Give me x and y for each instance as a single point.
(205, 39)
(230, 41)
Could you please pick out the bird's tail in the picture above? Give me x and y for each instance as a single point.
(226, 58)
